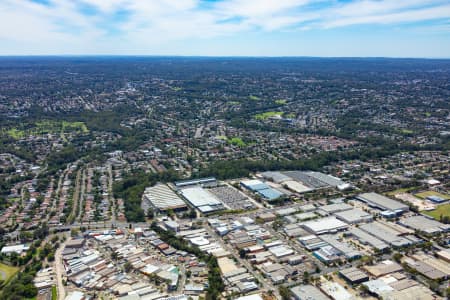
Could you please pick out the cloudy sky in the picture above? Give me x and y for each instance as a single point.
(395, 28)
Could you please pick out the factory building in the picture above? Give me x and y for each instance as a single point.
(202, 199)
(383, 203)
(161, 198)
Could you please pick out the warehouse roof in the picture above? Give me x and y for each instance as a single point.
(332, 208)
(327, 179)
(200, 197)
(161, 197)
(383, 268)
(385, 233)
(296, 186)
(382, 202)
(306, 179)
(275, 176)
(354, 215)
(368, 238)
(354, 275)
(348, 251)
(308, 292)
(270, 194)
(425, 224)
(324, 225)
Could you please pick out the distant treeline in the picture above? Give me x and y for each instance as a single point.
(228, 169)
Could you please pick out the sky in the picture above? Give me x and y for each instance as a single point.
(336, 28)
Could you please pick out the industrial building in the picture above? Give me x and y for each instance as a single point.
(383, 203)
(307, 292)
(354, 216)
(345, 250)
(277, 177)
(324, 225)
(161, 198)
(366, 238)
(383, 268)
(334, 208)
(207, 182)
(385, 234)
(262, 189)
(353, 275)
(202, 200)
(424, 224)
(336, 291)
(305, 179)
(436, 199)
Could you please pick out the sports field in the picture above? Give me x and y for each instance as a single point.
(7, 272)
(441, 210)
(423, 195)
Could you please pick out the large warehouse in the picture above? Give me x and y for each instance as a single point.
(161, 198)
(261, 189)
(203, 200)
(382, 202)
(354, 216)
(324, 225)
(425, 224)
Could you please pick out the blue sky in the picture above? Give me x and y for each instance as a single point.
(390, 28)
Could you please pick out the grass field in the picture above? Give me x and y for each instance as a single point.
(45, 127)
(399, 191)
(237, 142)
(254, 98)
(443, 210)
(266, 115)
(7, 272)
(54, 293)
(423, 195)
(280, 101)
(407, 131)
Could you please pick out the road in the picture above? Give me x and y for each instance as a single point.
(81, 197)
(110, 195)
(59, 269)
(75, 198)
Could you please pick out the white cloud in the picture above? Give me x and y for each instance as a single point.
(151, 23)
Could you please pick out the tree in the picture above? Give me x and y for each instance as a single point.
(305, 277)
(242, 253)
(397, 256)
(285, 293)
(150, 213)
(127, 267)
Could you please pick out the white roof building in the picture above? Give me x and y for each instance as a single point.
(15, 248)
(324, 225)
(202, 199)
(161, 198)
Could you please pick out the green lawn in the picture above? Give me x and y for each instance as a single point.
(237, 142)
(399, 191)
(280, 101)
(54, 293)
(268, 114)
(443, 210)
(423, 195)
(254, 98)
(7, 272)
(45, 127)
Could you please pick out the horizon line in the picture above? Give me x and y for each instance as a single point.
(218, 56)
